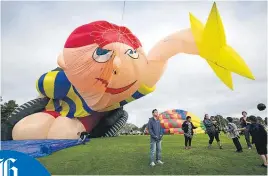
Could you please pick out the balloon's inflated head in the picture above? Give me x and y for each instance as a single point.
(261, 106)
(104, 61)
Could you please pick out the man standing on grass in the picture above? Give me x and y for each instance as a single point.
(245, 125)
(155, 138)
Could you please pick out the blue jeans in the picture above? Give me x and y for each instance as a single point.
(155, 146)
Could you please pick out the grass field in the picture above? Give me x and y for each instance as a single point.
(129, 155)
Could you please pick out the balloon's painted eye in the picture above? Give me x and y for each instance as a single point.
(132, 53)
(102, 55)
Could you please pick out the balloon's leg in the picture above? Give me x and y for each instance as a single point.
(35, 126)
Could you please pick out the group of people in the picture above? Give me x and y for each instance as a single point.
(249, 126)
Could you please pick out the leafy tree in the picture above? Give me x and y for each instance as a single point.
(128, 128)
(222, 122)
(236, 121)
(7, 108)
(135, 128)
(143, 127)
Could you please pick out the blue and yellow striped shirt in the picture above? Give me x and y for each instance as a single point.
(66, 100)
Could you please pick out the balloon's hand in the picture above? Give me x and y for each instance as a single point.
(212, 46)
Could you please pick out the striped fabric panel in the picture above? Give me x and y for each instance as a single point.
(61, 85)
(122, 103)
(64, 98)
(53, 84)
(40, 86)
(84, 104)
(116, 127)
(141, 92)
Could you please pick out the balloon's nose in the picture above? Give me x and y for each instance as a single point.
(117, 63)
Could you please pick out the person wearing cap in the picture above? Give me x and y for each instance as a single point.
(245, 125)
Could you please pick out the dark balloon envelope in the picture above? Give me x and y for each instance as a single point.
(261, 107)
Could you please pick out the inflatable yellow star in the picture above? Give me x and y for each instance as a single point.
(212, 46)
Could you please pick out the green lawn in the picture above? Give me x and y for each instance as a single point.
(129, 155)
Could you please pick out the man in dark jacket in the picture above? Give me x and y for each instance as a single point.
(155, 138)
(245, 125)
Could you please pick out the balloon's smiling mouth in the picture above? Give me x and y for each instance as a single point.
(115, 90)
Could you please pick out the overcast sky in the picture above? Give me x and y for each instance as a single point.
(34, 33)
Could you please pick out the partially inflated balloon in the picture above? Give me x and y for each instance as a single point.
(171, 121)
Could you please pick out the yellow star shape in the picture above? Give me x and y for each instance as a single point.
(211, 43)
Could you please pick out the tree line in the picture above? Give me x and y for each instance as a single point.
(7, 108)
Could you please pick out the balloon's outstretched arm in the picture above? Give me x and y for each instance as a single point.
(207, 41)
(178, 42)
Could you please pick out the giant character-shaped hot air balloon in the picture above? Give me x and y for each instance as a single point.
(103, 67)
